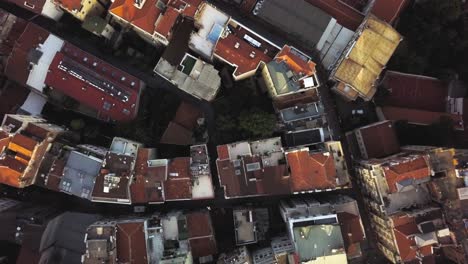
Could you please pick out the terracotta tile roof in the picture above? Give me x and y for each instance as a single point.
(119, 102)
(405, 227)
(150, 18)
(167, 22)
(380, 139)
(414, 167)
(17, 65)
(24, 142)
(179, 189)
(187, 115)
(179, 182)
(202, 247)
(271, 180)
(131, 243)
(69, 4)
(199, 224)
(296, 63)
(31, 5)
(201, 234)
(311, 171)
(176, 134)
(344, 14)
(10, 35)
(118, 166)
(144, 18)
(389, 10)
(241, 57)
(223, 152)
(144, 189)
(420, 117)
(407, 91)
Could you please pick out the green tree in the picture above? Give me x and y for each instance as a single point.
(257, 123)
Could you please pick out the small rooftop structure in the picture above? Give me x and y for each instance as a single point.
(250, 225)
(101, 245)
(361, 63)
(243, 49)
(116, 173)
(290, 72)
(377, 140)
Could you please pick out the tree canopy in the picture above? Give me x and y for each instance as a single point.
(435, 40)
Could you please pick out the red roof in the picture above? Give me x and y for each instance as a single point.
(242, 57)
(405, 228)
(17, 65)
(113, 93)
(178, 185)
(380, 139)
(131, 243)
(199, 224)
(144, 189)
(10, 34)
(12, 98)
(204, 246)
(187, 115)
(271, 180)
(223, 152)
(389, 10)
(31, 5)
(415, 91)
(415, 168)
(150, 18)
(176, 134)
(343, 13)
(69, 4)
(296, 63)
(311, 171)
(420, 117)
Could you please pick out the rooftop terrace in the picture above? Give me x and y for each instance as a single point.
(244, 49)
(211, 23)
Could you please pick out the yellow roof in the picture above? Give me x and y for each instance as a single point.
(368, 57)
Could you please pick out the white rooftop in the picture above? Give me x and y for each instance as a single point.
(212, 23)
(203, 188)
(38, 73)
